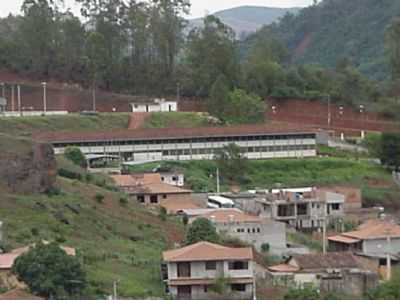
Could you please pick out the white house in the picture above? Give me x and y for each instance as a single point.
(158, 105)
(3, 104)
(189, 272)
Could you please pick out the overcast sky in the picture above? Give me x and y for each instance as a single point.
(199, 7)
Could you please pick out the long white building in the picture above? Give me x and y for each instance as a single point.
(256, 141)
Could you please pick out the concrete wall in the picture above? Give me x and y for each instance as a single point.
(166, 106)
(32, 113)
(380, 246)
(161, 198)
(270, 232)
(169, 179)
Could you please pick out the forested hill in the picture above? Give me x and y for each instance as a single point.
(247, 19)
(338, 29)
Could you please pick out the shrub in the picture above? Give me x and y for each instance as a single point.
(162, 213)
(123, 201)
(201, 230)
(76, 156)
(99, 198)
(265, 247)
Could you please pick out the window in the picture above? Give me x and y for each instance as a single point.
(184, 290)
(335, 206)
(238, 287)
(205, 289)
(164, 196)
(258, 230)
(238, 265)
(153, 199)
(140, 198)
(211, 265)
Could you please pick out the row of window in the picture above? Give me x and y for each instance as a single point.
(249, 230)
(248, 150)
(232, 265)
(188, 140)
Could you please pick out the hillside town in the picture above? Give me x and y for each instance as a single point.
(148, 152)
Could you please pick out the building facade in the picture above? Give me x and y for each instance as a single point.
(256, 142)
(339, 273)
(254, 230)
(3, 104)
(303, 208)
(159, 105)
(190, 272)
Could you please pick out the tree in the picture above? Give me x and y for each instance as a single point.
(50, 272)
(390, 150)
(76, 156)
(211, 51)
(201, 230)
(219, 97)
(392, 46)
(244, 108)
(232, 163)
(389, 290)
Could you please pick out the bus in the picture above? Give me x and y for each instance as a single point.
(219, 202)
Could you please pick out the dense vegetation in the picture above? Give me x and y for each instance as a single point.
(110, 235)
(140, 47)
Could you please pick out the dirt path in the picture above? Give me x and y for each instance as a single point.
(137, 119)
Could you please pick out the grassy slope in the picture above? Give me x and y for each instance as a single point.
(176, 119)
(287, 172)
(72, 122)
(116, 241)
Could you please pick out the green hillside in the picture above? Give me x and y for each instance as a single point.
(71, 122)
(337, 29)
(248, 19)
(115, 240)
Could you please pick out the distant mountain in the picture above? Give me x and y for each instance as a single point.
(247, 19)
(335, 30)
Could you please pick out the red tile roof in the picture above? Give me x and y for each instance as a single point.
(374, 229)
(174, 206)
(18, 295)
(343, 239)
(166, 133)
(330, 260)
(283, 268)
(204, 251)
(7, 260)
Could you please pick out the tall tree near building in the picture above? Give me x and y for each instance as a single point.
(211, 52)
(232, 163)
(392, 45)
(390, 150)
(219, 97)
(201, 230)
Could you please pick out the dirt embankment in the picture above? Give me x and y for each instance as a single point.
(26, 167)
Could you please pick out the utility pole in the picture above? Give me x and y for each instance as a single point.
(329, 111)
(12, 98)
(19, 99)
(388, 256)
(3, 92)
(115, 290)
(44, 97)
(324, 230)
(178, 92)
(218, 184)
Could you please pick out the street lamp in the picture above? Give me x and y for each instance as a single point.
(362, 110)
(44, 84)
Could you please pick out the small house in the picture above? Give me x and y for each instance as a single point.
(191, 271)
(3, 104)
(158, 105)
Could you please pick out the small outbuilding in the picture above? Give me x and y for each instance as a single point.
(3, 104)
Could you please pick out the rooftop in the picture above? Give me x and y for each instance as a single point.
(147, 184)
(7, 260)
(18, 294)
(205, 251)
(330, 260)
(168, 133)
(374, 229)
(175, 206)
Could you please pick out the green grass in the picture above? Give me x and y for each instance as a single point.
(114, 241)
(25, 126)
(176, 119)
(200, 175)
(306, 240)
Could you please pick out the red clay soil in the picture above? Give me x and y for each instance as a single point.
(137, 119)
(303, 45)
(315, 113)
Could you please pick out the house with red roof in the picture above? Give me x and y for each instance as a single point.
(191, 272)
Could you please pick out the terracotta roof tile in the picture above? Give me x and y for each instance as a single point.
(204, 251)
(374, 229)
(7, 260)
(283, 268)
(343, 239)
(167, 133)
(18, 295)
(331, 260)
(174, 206)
